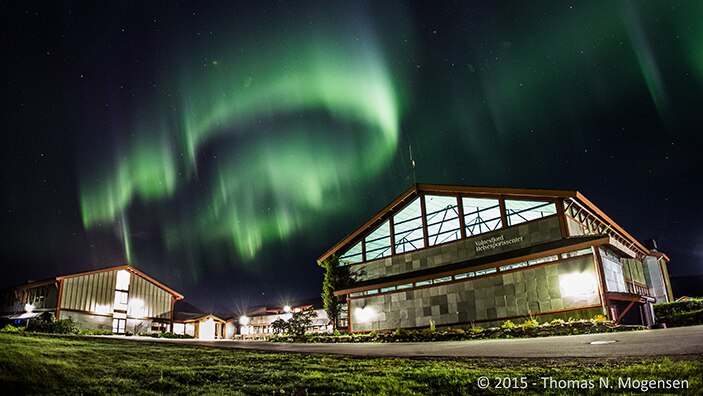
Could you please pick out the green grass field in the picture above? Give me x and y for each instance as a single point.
(82, 365)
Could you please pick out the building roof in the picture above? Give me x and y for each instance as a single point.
(127, 268)
(489, 192)
(188, 318)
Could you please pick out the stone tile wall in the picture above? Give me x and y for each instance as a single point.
(528, 234)
(524, 292)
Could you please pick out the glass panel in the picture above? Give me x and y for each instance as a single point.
(407, 226)
(388, 289)
(577, 253)
(481, 215)
(522, 211)
(423, 283)
(541, 260)
(442, 279)
(372, 291)
(122, 280)
(356, 294)
(120, 300)
(405, 286)
(378, 243)
(352, 255)
(464, 275)
(513, 266)
(442, 219)
(485, 271)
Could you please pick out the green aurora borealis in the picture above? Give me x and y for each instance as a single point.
(340, 113)
(224, 146)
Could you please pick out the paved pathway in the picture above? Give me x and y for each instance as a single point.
(648, 343)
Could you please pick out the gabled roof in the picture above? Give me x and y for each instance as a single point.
(198, 318)
(525, 193)
(127, 268)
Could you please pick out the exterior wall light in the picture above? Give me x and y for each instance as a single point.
(243, 320)
(577, 284)
(286, 309)
(29, 308)
(364, 315)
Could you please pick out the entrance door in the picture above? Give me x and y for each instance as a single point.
(118, 325)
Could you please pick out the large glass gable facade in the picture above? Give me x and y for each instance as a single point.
(481, 215)
(442, 219)
(407, 227)
(353, 255)
(378, 243)
(522, 211)
(430, 220)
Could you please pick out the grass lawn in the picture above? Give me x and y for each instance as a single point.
(82, 365)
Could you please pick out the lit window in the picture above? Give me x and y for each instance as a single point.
(122, 280)
(442, 279)
(120, 300)
(423, 283)
(372, 291)
(542, 260)
(407, 227)
(481, 215)
(405, 286)
(576, 253)
(388, 289)
(485, 271)
(442, 219)
(378, 243)
(356, 294)
(464, 275)
(522, 211)
(353, 255)
(513, 266)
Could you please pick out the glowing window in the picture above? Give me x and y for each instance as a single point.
(405, 286)
(485, 271)
(442, 219)
(120, 300)
(522, 211)
(513, 266)
(442, 279)
(481, 215)
(541, 260)
(122, 280)
(423, 283)
(378, 243)
(372, 291)
(388, 289)
(577, 253)
(407, 227)
(353, 255)
(464, 275)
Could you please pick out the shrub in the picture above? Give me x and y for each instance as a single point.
(673, 308)
(529, 323)
(475, 329)
(432, 326)
(557, 322)
(455, 331)
(508, 324)
(173, 335)
(400, 332)
(599, 319)
(47, 323)
(11, 329)
(95, 332)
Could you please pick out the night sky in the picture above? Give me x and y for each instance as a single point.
(223, 147)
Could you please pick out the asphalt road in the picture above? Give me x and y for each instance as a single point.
(682, 341)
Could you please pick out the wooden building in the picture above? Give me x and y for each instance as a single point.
(120, 299)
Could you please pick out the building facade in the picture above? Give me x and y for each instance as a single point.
(120, 299)
(257, 322)
(463, 256)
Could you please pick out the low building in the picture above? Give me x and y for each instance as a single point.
(257, 322)
(120, 299)
(201, 326)
(459, 256)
